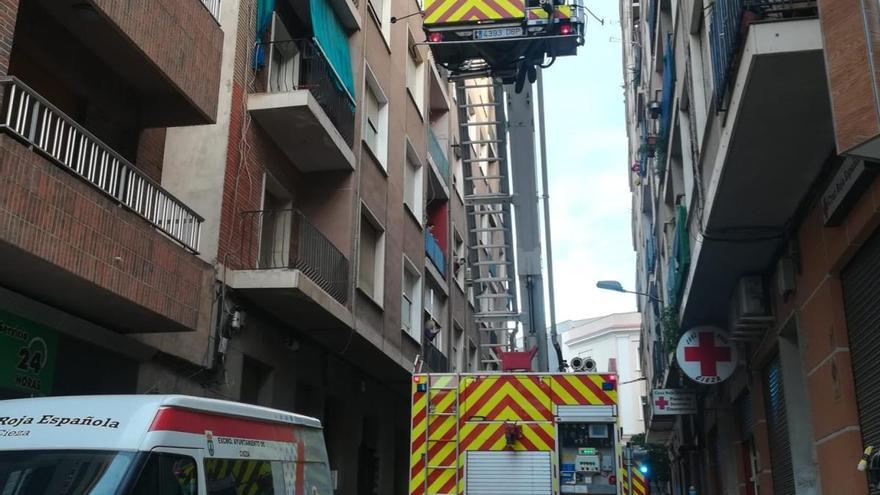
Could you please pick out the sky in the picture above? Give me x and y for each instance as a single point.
(590, 201)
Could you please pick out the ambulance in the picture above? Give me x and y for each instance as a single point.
(158, 445)
(516, 433)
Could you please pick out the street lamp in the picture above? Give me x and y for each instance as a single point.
(617, 287)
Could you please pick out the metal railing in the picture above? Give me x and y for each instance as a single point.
(726, 32)
(213, 7)
(435, 359)
(300, 65)
(437, 153)
(434, 252)
(30, 117)
(286, 239)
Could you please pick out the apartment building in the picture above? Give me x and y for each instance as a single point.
(752, 129)
(95, 246)
(250, 199)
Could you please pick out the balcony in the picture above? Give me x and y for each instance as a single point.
(291, 270)
(85, 230)
(772, 143)
(305, 108)
(31, 118)
(438, 155)
(167, 52)
(435, 253)
(436, 361)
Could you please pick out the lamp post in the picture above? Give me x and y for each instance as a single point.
(615, 286)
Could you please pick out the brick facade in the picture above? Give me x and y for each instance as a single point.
(54, 216)
(180, 37)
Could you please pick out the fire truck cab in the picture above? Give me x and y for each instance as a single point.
(514, 433)
(158, 445)
(472, 36)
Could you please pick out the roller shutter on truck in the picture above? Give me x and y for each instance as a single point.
(861, 290)
(509, 473)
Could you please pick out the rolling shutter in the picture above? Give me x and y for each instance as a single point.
(777, 429)
(861, 285)
(509, 473)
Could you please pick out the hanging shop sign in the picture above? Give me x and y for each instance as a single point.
(27, 355)
(845, 188)
(706, 355)
(671, 402)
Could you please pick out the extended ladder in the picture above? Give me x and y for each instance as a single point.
(453, 388)
(488, 206)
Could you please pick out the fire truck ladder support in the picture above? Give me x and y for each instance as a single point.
(488, 206)
(453, 388)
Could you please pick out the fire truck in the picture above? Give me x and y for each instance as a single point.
(516, 433)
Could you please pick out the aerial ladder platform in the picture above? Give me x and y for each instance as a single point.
(493, 50)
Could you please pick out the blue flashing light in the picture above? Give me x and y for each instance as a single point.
(644, 469)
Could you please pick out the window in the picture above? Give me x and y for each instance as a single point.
(457, 344)
(411, 301)
(457, 170)
(168, 474)
(413, 183)
(460, 261)
(434, 307)
(371, 258)
(237, 476)
(275, 221)
(415, 72)
(381, 12)
(34, 472)
(375, 130)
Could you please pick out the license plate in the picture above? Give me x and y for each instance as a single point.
(489, 34)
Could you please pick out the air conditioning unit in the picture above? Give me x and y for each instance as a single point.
(750, 313)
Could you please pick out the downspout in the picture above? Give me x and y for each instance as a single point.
(554, 337)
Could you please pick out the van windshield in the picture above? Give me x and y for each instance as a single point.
(53, 472)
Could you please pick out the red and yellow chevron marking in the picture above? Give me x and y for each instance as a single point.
(640, 483)
(507, 398)
(575, 389)
(458, 11)
(561, 12)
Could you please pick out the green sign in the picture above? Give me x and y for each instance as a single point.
(27, 355)
(587, 451)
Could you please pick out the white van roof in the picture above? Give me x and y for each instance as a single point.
(112, 422)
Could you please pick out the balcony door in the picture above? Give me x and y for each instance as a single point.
(276, 225)
(284, 59)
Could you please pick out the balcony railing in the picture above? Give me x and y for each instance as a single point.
(435, 359)
(300, 65)
(437, 153)
(726, 32)
(286, 239)
(667, 96)
(213, 7)
(434, 252)
(31, 118)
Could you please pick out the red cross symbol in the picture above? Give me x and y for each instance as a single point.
(707, 354)
(661, 403)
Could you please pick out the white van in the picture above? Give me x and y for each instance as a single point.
(158, 445)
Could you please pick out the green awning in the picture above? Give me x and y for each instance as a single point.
(332, 40)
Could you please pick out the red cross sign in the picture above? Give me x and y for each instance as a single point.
(706, 355)
(661, 402)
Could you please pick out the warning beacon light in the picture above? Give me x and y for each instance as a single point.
(643, 468)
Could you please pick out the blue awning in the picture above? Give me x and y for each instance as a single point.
(332, 40)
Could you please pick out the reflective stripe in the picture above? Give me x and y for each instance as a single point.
(457, 11)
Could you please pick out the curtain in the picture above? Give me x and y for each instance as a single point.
(265, 8)
(332, 40)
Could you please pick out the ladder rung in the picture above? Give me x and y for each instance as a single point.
(491, 279)
(494, 296)
(479, 105)
(474, 124)
(487, 199)
(440, 414)
(441, 440)
(489, 229)
(486, 177)
(496, 315)
(480, 141)
(506, 262)
(442, 388)
(490, 246)
(476, 86)
(442, 467)
(485, 160)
